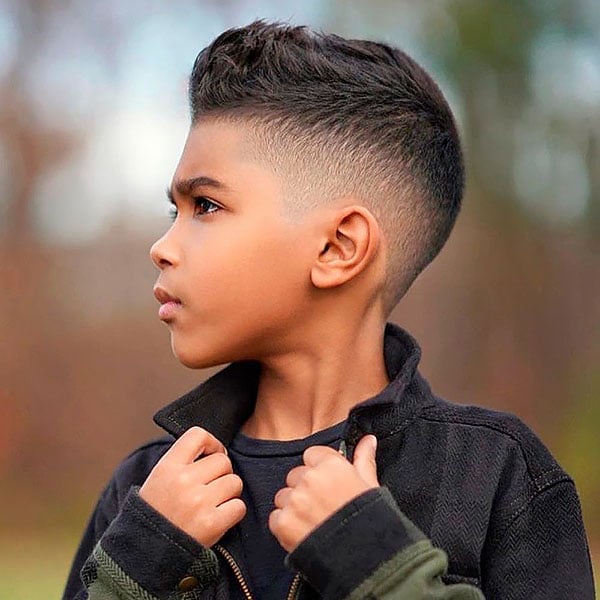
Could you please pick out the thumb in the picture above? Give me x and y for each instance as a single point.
(364, 459)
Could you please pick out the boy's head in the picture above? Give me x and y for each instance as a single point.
(345, 150)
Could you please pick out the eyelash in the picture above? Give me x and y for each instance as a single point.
(198, 202)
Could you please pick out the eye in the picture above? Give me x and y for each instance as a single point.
(203, 206)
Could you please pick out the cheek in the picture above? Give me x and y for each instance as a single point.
(276, 272)
(242, 289)
(248, 269)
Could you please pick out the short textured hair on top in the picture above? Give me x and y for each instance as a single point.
(335, 116)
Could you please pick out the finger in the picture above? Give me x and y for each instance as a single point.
(364, 459)
(316, 454)
(273, 522)
(193, 443)
(286, 531)
(224, 488)
(294, 477)
(231, 512)
(211, 467)
(282, 497)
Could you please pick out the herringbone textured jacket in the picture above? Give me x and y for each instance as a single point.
(471, 502)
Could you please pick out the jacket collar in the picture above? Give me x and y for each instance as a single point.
(224, 402)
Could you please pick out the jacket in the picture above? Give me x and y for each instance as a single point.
(471, 504)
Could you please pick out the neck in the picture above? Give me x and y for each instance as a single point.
(315, 385)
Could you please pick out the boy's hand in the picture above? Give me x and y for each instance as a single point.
(319, 488)
(201, 497)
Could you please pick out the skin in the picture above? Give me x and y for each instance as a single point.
(320, 487)
(302, 295)
(202, 497)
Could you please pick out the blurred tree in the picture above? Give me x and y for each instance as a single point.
(31, 147)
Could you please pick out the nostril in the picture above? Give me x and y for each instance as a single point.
(156, 256)
(163, 252)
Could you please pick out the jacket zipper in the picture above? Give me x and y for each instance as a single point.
(236, 570)
(295, 587)
(292, 594)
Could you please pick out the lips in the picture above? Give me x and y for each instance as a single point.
(169, 305)
(163, 296)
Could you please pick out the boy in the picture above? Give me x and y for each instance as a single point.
(319, 178)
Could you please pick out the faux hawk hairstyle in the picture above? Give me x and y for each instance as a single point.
(336, 116)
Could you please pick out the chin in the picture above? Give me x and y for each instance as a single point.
(194, 357)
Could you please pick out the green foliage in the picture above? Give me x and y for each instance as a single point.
(580, 444)
(496, 34)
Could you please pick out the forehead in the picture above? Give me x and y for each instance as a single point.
(220, 150)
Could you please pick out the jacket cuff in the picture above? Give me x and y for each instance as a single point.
(144, 552)
(353, 543)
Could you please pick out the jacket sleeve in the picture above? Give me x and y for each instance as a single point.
(370, 549)
(142, 555)
(543, 552)
(104, 512)
(130, 551)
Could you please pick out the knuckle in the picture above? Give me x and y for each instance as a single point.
(285, 520)
(277, 519)
(232, 482)
(311, 476)
(308, 453)
(236, 481)
(292, 476)
(279, 496)
(223, 462)
(185, 478)
(300, 502)
(193, 432)
(274, 521)
(240, 507)
(296, 500)
(199, 497)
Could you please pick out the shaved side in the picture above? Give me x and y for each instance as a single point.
(342, 118)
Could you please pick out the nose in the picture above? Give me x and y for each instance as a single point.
(163, 253)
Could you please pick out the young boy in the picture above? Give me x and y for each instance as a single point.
(319, 178)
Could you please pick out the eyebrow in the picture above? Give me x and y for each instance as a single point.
(185, 187)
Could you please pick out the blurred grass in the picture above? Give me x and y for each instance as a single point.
(35, 568)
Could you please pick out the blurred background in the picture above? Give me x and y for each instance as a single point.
(93, 117)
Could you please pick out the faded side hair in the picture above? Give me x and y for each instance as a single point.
(336, 116)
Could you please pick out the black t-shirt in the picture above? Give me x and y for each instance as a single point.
(263, 466)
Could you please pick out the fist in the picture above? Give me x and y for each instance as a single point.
(201, 496)
(320, 487)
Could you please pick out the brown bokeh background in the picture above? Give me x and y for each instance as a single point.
(92, 118)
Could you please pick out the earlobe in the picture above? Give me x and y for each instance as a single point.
(348, 248)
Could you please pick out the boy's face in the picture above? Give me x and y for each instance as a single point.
(238, 265)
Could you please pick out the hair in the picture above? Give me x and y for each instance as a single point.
(340, 116)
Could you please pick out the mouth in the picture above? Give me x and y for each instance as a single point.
(169, 305)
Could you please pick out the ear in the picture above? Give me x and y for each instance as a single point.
(348, 246)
